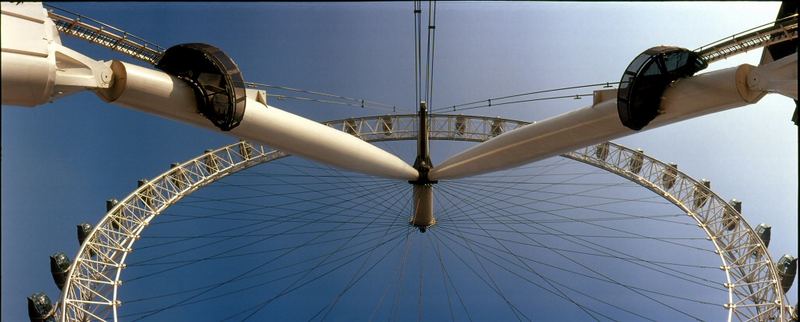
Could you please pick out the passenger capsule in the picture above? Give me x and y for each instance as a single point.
(351, 127)
(787, 269)
(110, 204)
(764, 232)
(702, 190)
(147, 194)
(210, 162)
(178, 177)
(497, 127)
(245, 150)
(461, 125)
(387, 125)
(730, 219)
(40, 308)
(636, 161)
(669, 176)
(84, 230)
(59, 268)
(601, 151)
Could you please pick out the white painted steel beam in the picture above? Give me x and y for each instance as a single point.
(422, 213)
(778, 76)
(686, 98)
(36, 68)
(159, 93)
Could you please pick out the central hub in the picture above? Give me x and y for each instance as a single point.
(422, 216)
(422, 213)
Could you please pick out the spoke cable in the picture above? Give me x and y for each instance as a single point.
(346, 259)
(491, 283)
(491, 101)
(342, 100)
(578, 263)
(294, 286)
(457, 205)
(592, 246)
(527, 206)
(239, 276)
(601, 279)
(357, 275)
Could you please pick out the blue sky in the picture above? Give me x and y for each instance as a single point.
(61, 161)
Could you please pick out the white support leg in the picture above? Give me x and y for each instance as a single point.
(686, 98)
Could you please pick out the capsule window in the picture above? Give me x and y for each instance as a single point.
(652, 69)
(637, 63)
(627, 78)
(675, 61)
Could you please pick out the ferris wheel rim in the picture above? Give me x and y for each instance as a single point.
(218, 163)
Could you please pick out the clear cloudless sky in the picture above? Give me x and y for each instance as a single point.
(61, 161)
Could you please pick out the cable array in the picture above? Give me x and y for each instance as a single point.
(430, 51)
(505, 100)
(328, 97)
(546, 232)
(417, 51)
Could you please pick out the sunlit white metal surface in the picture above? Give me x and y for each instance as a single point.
(36, 68)
(779, 76)
(159, 93)
(684, 99)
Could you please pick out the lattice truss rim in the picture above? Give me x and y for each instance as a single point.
(754, 290)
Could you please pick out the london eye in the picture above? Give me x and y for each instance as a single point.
(242, 231)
